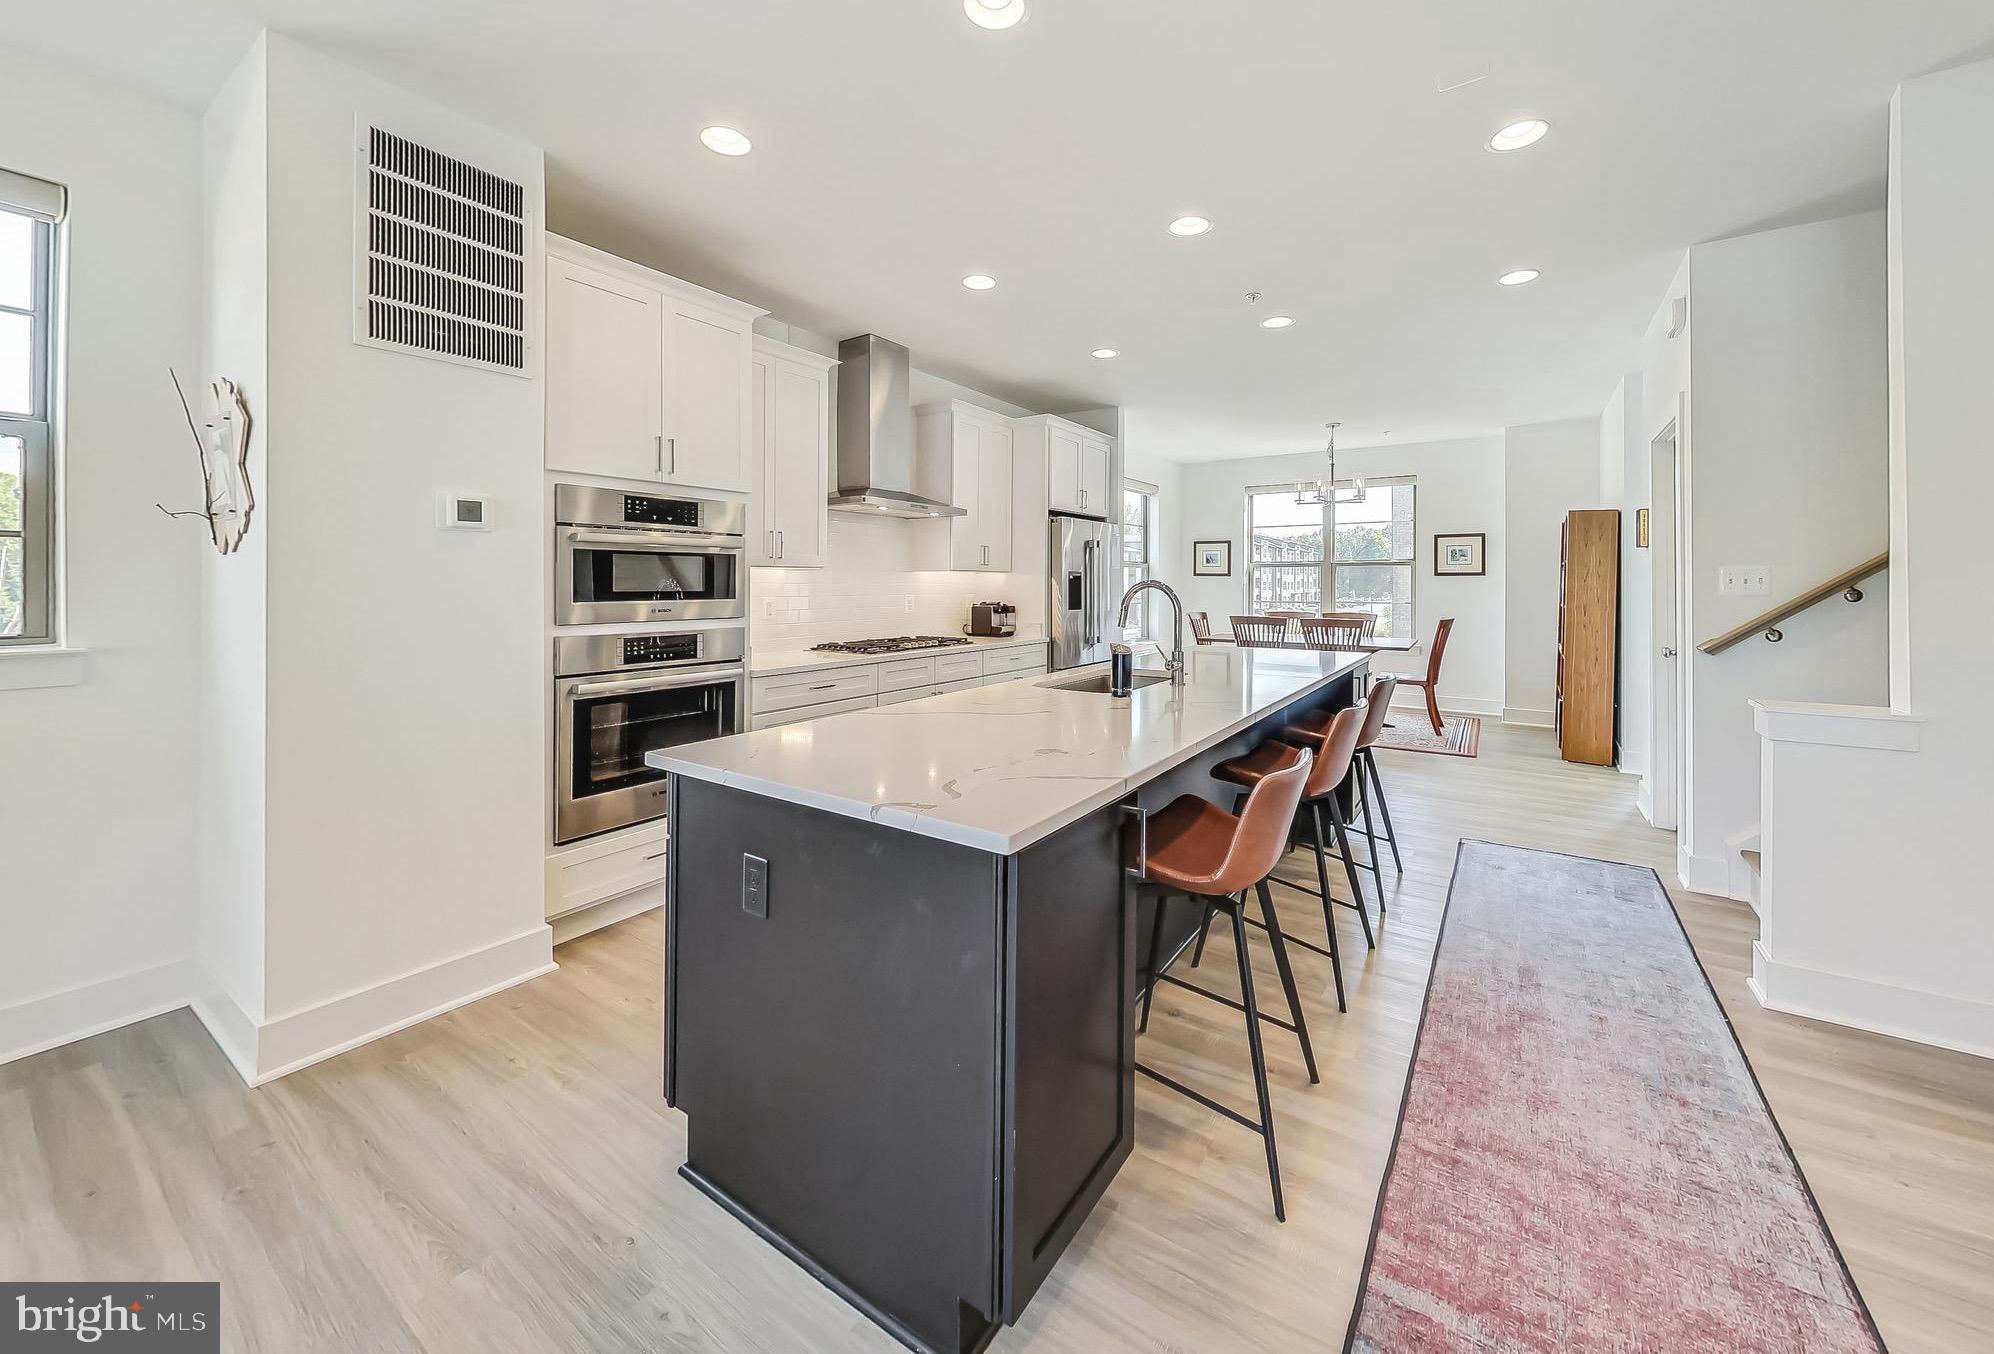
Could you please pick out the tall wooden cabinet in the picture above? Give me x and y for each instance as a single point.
(1588, 631)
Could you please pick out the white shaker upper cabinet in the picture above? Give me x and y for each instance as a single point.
(707, 399)
(791, 452)
(1078, 461)
(647, 376)
(605, 373)
(977, 444)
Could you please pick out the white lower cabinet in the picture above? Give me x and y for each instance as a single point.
(777, 718)
(792, 697)
(606, 867)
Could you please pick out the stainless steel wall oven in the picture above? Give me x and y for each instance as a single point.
(618, 696)
(623, 556)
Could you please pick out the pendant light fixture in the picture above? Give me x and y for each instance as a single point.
(1315, 493)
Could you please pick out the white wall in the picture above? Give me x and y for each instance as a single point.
(1786, 468)
(234, 705)
(406, 692)
(1169, 548)
(1460, 489)
(97, 831)
(1552, 469)
(1876, 876)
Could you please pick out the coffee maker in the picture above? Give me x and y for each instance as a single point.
(993, 619)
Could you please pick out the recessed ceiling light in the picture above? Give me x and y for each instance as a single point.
(1519, 134)
(995, 13)
(1277, 322)
(725, 141)
(979, 282)
(1518, 277)
(1106, 352)
(1190, 225)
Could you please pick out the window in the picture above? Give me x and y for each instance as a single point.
(1360, 556)
(1138, 518)
(28, 211)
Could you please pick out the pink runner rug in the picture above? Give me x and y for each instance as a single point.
(1584, 1159)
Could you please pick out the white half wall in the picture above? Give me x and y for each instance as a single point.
(1460, 489)
(98, 826)
(1551, 469)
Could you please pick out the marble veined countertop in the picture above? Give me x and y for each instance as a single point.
(999, 767)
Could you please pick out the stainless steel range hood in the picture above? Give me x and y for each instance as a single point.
(880, 469)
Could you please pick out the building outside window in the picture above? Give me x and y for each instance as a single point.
(1138, 535)
(1358, 556)
(29, 209)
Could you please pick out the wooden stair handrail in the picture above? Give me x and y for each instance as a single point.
(1767, 620)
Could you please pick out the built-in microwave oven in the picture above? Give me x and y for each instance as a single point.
(620, 695)
(623, 556)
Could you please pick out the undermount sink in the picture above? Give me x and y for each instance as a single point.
(1097, 682)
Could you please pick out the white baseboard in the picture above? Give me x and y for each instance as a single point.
(1411, 699)
(1520, 714)
(1703, 874)
(1738, 880)
(263, 1052)
(1957, 1023)
(57, 1018)
(572, 925)
(1644, 800)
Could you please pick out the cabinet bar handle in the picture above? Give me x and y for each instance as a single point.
(658, 445)
(778, 545)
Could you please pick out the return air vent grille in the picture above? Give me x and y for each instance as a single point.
(443, 256)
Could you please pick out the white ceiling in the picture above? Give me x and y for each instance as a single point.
(897, 147)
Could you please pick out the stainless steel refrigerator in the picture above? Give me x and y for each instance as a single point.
(1081, 601)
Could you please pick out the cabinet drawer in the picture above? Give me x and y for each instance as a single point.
(579, 882)
(789, 691)
(903, 673)
(961, 684)
(996, 678)
(800, 714)
(1013, 660)
(958, 666)
(912, 693)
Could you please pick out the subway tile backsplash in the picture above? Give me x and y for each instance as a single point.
(865, 590)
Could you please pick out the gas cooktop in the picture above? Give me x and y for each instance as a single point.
(897, 644)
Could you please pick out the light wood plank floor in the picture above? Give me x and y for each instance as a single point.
(502, 1178)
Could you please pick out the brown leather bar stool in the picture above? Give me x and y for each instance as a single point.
(1333, 752)
(1376, 708)
(1196, 848)
(1379, 704)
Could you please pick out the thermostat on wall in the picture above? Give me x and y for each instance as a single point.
(464, 512)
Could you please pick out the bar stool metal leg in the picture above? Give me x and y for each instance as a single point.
(1370, 837)
(1155, 960)
(1384, 811)
(1280, 944)
(1266, 1125)
(1329, 906)
(1350, 871)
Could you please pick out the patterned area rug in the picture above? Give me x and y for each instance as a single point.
(1460, 735)
(1584, 1159)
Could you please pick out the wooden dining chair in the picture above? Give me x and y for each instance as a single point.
(1338, 630)
(1290, 615)
(1430, 683)
(1261, 632)
(1201, 627)
(1366, 621)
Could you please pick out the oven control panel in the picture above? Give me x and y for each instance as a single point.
(648, 511)
(659, 648)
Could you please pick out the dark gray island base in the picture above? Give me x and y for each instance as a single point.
(906, 1061)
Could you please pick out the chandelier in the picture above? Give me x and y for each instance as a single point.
(1315, 493)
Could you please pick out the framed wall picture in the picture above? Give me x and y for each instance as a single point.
(1211, 559)
(1460, 554)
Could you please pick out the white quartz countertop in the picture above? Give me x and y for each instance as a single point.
(763, 662)
(999, 767)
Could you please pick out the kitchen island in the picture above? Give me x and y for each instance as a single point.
(901, 968)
